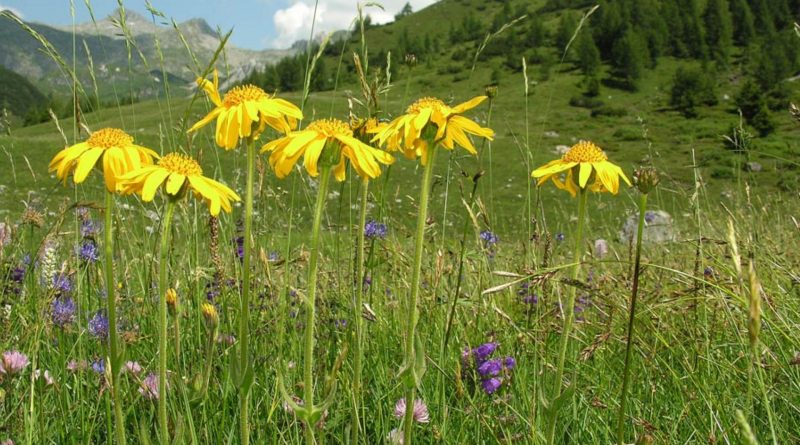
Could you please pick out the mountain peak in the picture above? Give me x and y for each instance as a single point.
(199, 25)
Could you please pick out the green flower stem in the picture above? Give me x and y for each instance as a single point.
(411, 310)
(569, 314)
(212, 333)
(308, 352)
(244, 308)
(357, 319)
(162, 322)
(114, 361)
(631, 317)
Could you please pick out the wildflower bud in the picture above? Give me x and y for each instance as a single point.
(491, 91)
(172, 301)
(33, 217)
(411, 60)
(210, 315)
(646, 179)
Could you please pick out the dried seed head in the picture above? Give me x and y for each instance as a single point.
(646, 179)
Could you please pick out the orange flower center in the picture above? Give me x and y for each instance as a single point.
(585, 151)
(181, 164)
(109, 137)
(426, 102)
(243, 93)
(330, 127)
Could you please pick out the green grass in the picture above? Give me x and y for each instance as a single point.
(691, 369)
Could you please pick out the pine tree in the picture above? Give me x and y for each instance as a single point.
(692, 28)
(762, 16)
(719, 30)
(753, 105)
(588, 54)
(610, 26)
(566, 28)
(743, 25)
(630, 58)
(692, 87)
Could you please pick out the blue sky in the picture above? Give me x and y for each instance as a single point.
(257, 24)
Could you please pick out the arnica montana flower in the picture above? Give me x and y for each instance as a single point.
(408, 132)
(179, 173)
(328, 141)
(586, 166)
(111, 146)
(243, 106)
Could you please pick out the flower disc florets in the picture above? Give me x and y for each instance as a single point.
(243, 93)
(585, 151)
(109, 137)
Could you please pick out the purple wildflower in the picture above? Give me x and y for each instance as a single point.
(99, 366)
(374, 229)
(482, 352)
(63, 311)
(89, 229)
(420, 410)
(560, 236)
(89, 252)
(62, 284)
(98, 326)
(132, 367)
(509, 362)
(13, 363)
(17, 274)
(149, 388)
(649, 216)
(239, 244)
(489, 238)
(600, 248)
(75, 365)
(491, 385)
(490, 367)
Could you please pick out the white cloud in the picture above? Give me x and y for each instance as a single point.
(14, 11)
(294, 22)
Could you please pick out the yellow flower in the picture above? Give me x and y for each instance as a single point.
(408, 132)
(243, 106)
(179, 173)
(329, 139)
(116, 148)
(584, 162)
(210, 315)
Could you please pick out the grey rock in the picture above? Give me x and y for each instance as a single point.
(753, 166)
(658, 227)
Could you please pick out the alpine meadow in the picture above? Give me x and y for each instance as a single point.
(435, 222)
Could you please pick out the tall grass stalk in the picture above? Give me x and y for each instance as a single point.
(410, 363)
(569, 315)
(163, 254)
(631, 318)
(244, 370)
(115, 358)
(308, 352)
(358, 322)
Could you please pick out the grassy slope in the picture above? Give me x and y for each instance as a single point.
(649, 129)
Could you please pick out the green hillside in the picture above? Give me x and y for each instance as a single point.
(634, 125)
(17, 95)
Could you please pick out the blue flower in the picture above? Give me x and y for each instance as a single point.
(63, 311)
(374, 229)
(509, 362)
(491, 385)
(89, 229)
(89, 252)
(98, 326)
(490, 368)
(99, 366)
(560, 236)
(489, 238)
(62, 284)
(482, 352)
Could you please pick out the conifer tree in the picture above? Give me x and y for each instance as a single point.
(719, 30)
(588, 54)
(743, 25)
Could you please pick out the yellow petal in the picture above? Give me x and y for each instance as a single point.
(86, 162)
(585, 173)
(152, 182)
(311, 156)
(204, 121)
(468, 105)
(174, 183)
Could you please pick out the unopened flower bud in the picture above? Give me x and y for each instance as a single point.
(210, 315)
(491, 91)
(411, 60)
(646, 179)
(172, 301)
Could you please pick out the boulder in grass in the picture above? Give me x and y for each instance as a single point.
(658, 227)
(753, 167)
